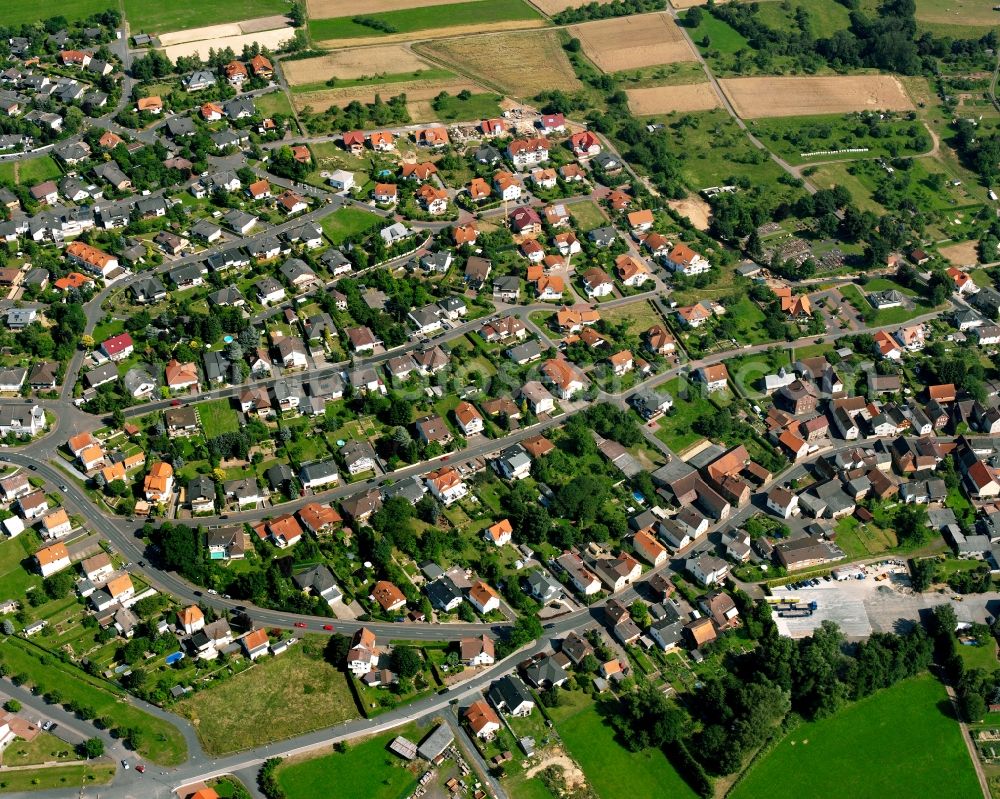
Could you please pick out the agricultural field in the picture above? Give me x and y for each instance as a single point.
(611, 769)
(356, 63)
(963, 18)
(152, 16)
(415, 91)
(670, 99)
(19, 12)
(429, 21)
(367, 770)
(551, 7)
(919, 745)
(296, 691)
(518, 65)
(753, 98)
(630, 42)
(270, 32)
(331, 9)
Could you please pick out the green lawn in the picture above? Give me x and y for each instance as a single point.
(477, 106)
(296, 692)
(274, 103)
(35, 170)
(825, 18)
(19, 12)
(156, 16)
(587, 215)
(409, 20)
(347, 222)
(367, 770)
(64, 777)
(218, 417)
(900, 742)
(722, 37)
(612, 770)
(887, 316)
(675, 429)
(43, 749)
(640, 316)
(162, 741)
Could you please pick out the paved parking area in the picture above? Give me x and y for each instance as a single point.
(861, 607)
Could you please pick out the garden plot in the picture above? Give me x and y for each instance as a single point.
(520, 65)
(667, 99)
(360, 62)
(623, 43)
(753, 98)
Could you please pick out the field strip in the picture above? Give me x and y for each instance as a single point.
(755, 98)
(332, 9)
(272, 39)
(667, 99)
(518, 65)
(222, 31)
(435, 33)
(414, 90)
(551, 7)
(622, 43)
(354, 63)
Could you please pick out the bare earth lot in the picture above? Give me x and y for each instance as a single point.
(664, 99)
(518, 64)
(415, 90)
(633, 42)
(331, 9)
(350, 64)
(698, 212)
(754, 98)
(270, 32)
(962, 254)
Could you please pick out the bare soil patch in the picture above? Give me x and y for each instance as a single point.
(698, 212)
(332, 9)
(962, 254)
(221, 31)
(271, 39)
(414, 90)
(520, 65)
(438, 33)
(666, 99)
(356, 63)
(572, 773)
(754, 98)
(632, 42)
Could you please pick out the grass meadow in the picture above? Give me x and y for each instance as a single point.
(156, 16)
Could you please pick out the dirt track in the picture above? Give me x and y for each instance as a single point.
(755, 98)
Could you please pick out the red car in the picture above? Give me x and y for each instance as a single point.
(175, 403)
(327, 626)
(300, 624)
(141, 768)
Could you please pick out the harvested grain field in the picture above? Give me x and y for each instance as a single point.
(359, 62)
(646, 40)
(517, 64)
(754, 98)
(332, 9)
(269, 32)
(222, 31)
(435, 33)
(965, 253)
(665, 99)
(551, 7)
(415, 90)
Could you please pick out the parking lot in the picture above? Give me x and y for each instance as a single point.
(861, 607)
